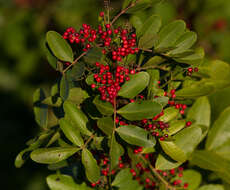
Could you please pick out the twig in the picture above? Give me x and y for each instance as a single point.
(167, 185)
(88, 140)
(75, 61)
(124, 11)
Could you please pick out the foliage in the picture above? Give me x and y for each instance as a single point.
(131, 106)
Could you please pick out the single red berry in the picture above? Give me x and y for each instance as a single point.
(188, 123)
(102, 14)
(190, 69)
(93, 85)
(196, 69)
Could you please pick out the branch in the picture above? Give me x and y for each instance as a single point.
(75, 61)
(154, 171)
(87, 142)
(124, 11)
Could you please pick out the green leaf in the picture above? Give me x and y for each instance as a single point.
(193, 58)
(105, 108)
(77, 95)
(185, 42)
(184, 144)
(137, 83)
(137, 23)
(135, 135)
(124, 181)
(140, 6)
(224, 150)
(60, 48)
(52, 155)
(64, 87)
(53, 139)
(64, 182)
(78, 118)
(71, 132)
(106, 125)
(90, 79)
(211, 187)
(153, 85)
(164, 163)
(151, 26)
(169, 114)
(155, 60)
(192, 177)
(162, 100)
(172, 150)
(116, 151)
(126, 3)
(58, 165)
(149, 30)
(195, 90)
(210, 161)
(40, 110)
(138, 111)
(52, 101)
(50, 57)
(220, 131)
(175, 126)
(91, 168)
(169, 34)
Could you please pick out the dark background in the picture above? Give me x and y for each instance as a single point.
(23, 68)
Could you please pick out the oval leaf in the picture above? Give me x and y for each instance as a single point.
(91, 168)
(71, 132)
(64, 87)
(116, 151)
(106, 125)
(52, 155)
(220, 131)
(211, 187)
(138, 111)
(163, 163)
(78, 118)
(103, 107)
(176, 126)
(135, 85)
(135, 135)
(59, 46)
(169, 114)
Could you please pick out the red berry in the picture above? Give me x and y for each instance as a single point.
(93, 85)
(196, 69)
(188, 123)
(190, 69)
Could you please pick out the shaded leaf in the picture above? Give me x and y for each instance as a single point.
(59, 46)
(163, 163)
(176, 126)
(78, 118)
(106, 125)
(211, 187)
(105, 108)
(169, 114)
(71, 132)
(64, 87)
(116, 151)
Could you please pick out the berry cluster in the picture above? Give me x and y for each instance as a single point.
(190, 70)
(109, 84)
(117, 43)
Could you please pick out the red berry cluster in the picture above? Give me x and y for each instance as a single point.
(117, 43)
(109, 84)
(190, 70)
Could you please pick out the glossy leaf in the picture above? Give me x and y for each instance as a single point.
(135, 135)
(176, 126)
(93, 55)
(220, 131)
(172, 150)
(78, 118)
(124, 181)
(196, 90)
(64, 87)
(153, 83)
(169, 34)
(116, 151)
(193, 58)
(169, 114)
(154, 61)
(106, 124)
(137, 83)
(140, 6)
(91, 168)
(76, 72)
(162, 100)
(138, 111)
(151, 26)
(52, 155)
(164, 163)
(59, 46)
(60, 182)
(71, 132)
(105, 108)
(185, 42)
